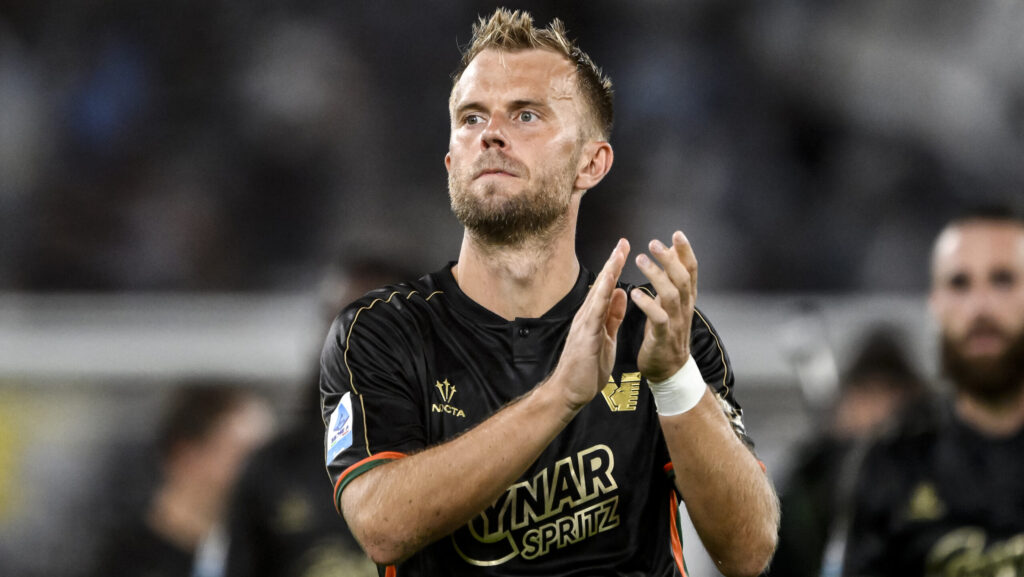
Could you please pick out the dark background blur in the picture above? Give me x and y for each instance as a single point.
(227, 145)
(175, 176)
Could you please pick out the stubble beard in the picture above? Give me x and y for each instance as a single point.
(990, 380)
(536, 214)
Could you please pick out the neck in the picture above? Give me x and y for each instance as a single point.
(995, 419)
(181, 515)
(525, 280)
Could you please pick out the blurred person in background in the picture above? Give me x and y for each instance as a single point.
(879, 382)
(943, 494)
(492, 418)
(280, 524)
(207, 431)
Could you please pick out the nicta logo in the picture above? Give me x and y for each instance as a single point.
(622, 397)
(447, 391)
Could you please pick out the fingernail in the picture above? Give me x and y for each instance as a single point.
(657, 246)
(642, 259)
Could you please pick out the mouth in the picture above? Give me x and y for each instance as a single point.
(496, 165)
(493, 172)
(984, 342)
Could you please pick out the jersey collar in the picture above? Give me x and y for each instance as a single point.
(566, 307)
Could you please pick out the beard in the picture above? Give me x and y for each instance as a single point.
(990, 379)
(500, 220)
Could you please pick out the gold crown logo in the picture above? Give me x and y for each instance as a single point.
(446, 389)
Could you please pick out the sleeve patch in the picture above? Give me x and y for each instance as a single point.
(339, 429)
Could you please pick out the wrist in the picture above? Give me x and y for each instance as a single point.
(680, 392)
(552, 395)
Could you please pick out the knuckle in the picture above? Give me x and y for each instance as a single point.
(673, 294)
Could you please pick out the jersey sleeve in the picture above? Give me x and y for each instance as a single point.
(709, 352)
(371, 411)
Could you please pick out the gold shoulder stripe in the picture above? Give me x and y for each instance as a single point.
(351, 377)
(721, 352)
(348, 336)
(428, 297)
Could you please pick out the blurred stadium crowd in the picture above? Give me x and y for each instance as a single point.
(227, 145)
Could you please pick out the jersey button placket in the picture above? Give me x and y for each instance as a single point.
(522, 344)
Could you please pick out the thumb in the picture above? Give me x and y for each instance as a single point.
(616, 312)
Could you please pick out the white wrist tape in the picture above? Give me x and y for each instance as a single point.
(680, 392)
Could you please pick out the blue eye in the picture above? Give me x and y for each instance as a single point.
(527, 116)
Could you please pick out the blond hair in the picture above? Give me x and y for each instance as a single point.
(513, 31)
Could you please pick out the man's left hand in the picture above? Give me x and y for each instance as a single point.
(666, 344)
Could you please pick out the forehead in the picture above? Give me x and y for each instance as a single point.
(523, 74)
(979, 247)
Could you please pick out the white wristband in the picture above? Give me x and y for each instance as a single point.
(680, 392)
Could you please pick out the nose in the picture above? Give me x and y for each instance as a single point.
(493, 135)
(983, 302)
(989, 303)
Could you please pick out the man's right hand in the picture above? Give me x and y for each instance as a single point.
(589, 351)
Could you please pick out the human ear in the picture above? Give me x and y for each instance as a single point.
(595, 162)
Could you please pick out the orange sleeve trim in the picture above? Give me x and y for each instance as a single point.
(362, 466)
(674, 538)
(389, 455)
(391, 571)
(669, 467)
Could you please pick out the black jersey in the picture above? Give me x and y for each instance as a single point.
(413, 365)
(936, 498)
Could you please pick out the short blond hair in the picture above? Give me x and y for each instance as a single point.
(514, 31)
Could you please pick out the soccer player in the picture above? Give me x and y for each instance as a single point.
(463, 433)
(943, 494)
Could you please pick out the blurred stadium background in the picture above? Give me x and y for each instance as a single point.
(176, 175)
